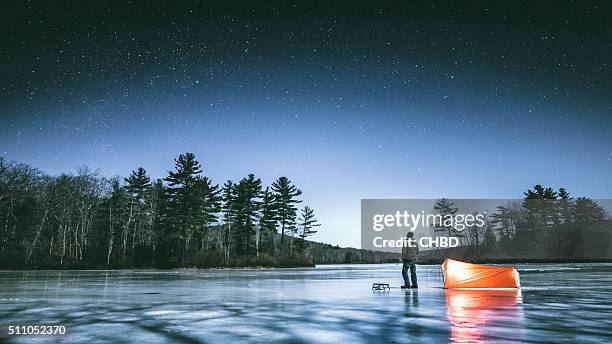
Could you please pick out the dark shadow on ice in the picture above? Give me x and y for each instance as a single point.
(411, 298)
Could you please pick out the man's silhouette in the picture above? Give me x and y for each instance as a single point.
(410, 252)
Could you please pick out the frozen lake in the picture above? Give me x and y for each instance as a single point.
(327, 304)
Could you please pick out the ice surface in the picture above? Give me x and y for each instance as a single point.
(327, 304)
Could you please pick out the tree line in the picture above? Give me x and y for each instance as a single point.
(545, 224)
(86, 220)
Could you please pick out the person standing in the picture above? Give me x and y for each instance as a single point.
(410, 252)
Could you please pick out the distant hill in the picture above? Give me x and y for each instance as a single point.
(314, 253)
(322, 253)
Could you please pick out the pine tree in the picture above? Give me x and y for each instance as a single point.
(542, 213)
(539, 192)
(490, 240)
(138, 188)
(228, 196)
(138, 184)
(249, 194)
(307, 222)
(166, 237)
(503, 221)
(184, 215)
(246, 205)
(209, 201)
(268, 221)
(306, 226)
(445, 208)
(564, 205)
(156, 206)
(285, 194)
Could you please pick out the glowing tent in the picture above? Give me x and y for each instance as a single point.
(465, 275)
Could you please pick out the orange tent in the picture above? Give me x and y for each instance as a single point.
(465, 275)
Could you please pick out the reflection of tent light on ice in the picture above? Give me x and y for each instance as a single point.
(465, 275)
(473, 313)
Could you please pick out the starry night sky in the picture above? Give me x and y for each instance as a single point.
(463, 100)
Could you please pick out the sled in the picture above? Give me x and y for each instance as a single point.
(380, 286)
